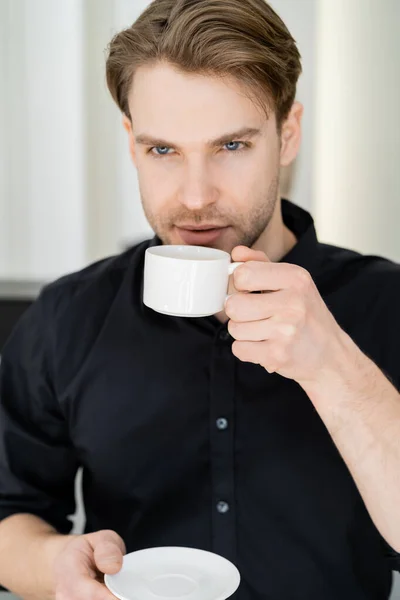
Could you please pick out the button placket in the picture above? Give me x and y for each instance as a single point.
(222, 409)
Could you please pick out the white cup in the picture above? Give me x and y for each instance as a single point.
(186, 281)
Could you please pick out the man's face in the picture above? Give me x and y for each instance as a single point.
(206, 156)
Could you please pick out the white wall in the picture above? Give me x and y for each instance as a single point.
(43, 161)
(4, 34)
(300, 18)
(357, 179)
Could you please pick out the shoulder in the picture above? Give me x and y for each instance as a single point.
(372, 274)
(93, 288)
(363, 293)
(69, 314)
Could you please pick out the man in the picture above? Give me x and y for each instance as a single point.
(268, 433)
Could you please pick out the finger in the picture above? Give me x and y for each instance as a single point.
(243, 254)
(260, 276)
(107, 535)
(108, 548)
(242, 307)
(247, 351)
(259, 331)
(108, 557)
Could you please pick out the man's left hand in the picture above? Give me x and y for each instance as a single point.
(288, 329)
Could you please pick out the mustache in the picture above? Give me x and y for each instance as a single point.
(196, 218)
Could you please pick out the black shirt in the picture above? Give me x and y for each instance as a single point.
(183, 444)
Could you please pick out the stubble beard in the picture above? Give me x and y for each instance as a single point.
(247, 229)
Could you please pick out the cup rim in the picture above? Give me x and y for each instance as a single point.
(218, 254)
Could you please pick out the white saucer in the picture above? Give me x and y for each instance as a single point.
(170, 573)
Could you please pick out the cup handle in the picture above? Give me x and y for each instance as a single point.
(231, 268)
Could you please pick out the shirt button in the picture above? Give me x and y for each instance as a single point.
(222, 424)
(224, 335)
(222, 507)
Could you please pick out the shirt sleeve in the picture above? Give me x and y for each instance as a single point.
(37, 461)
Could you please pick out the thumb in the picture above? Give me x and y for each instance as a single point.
(108, 558)
(244, 254)
(108, 552)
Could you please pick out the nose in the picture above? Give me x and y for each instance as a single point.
(197, 190)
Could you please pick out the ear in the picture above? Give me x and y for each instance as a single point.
(291, 135)
(126, 122)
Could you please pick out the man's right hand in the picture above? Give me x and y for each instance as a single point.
(80, 567)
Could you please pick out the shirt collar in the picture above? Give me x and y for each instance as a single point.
(300, 222)
(306, 252)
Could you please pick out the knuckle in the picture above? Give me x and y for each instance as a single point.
(303, 278)
(295, 313)
(288, 330)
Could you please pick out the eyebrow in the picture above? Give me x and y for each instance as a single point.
(245, 132)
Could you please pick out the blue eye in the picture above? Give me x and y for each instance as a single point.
(160, 150)
(233, 146)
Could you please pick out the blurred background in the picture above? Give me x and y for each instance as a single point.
(68, 191)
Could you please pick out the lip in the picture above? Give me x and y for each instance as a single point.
(200, 235)
(201, 227)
